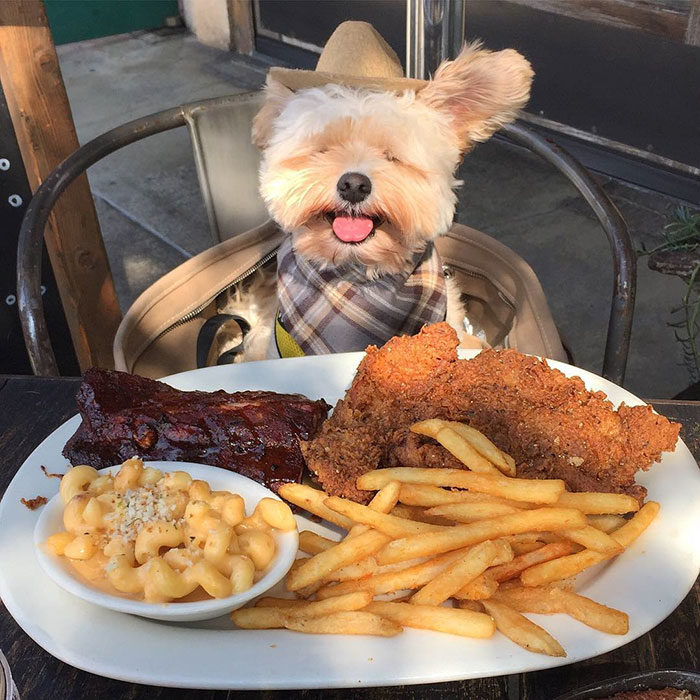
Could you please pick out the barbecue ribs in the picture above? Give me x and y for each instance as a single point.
(254, 433)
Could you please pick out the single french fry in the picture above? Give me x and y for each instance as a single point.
(467, 568)
(513, 568)
(606, 523)
(430, 543)
(350, 622)
(592, 538)
(317, 608)
(634, 527)
(561, 568)
(419, 515)
(311, 543)
(312, 500)
(529, 490)
(404, 579)
(592, 503)
(481, 588)
(551, 599)
(460, 448)
(476, 439)
(470, 512)
(360, 569)
(428, 496)
(350, 550)
(383, 502)
(568, 566)
(428, 617)
(305, 592)
(262, 618)
(504, 462)
(390, 525)
(522, 631)
(272, 602)
(525, 547)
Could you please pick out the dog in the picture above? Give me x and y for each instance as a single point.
(362, 181)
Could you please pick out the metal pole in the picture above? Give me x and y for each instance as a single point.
(434, 33)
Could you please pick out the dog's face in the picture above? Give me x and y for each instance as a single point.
(368, 177)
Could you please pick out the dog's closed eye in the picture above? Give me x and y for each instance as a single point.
(391, 157)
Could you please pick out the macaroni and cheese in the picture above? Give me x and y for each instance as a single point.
(160, 537)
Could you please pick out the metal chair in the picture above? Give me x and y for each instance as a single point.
(219, 130)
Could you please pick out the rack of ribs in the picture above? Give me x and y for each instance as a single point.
(254, 433)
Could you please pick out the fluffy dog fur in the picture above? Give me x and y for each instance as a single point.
(408, 144)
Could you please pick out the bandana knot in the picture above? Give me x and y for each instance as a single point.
(339, 309)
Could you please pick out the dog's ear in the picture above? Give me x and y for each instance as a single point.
(480, 90)
(276, 96)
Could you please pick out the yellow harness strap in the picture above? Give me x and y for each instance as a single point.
(286, 345)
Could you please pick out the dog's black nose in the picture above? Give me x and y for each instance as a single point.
(354, 187)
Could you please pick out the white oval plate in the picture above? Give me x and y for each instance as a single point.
(59, 569)
(648, 581)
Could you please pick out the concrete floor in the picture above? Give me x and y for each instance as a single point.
(152, 217)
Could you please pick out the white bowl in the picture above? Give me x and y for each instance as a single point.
(59, 569)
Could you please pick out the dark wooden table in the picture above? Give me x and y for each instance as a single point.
(30, 408)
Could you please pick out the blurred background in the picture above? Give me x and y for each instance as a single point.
(617, 84)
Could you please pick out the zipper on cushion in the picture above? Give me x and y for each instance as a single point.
(195, 312)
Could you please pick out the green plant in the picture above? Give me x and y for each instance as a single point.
(682, 233)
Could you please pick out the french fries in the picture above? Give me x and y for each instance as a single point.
(420, 515)
(403, 579)
(511, 569)
(477, 440)
(606, 523)
(529, 490)
(498, 546)
(598, 503)
(464, 570)
(311, 543)
(429, 496)
(457, 445)
(551, 599)
(390, 525)
(428, 617)
(469, 512)
(430, 543)
(383, 502)
(481, 588)
(592, 538)
(292, 618)
(312, 500)
(346, 552)
(354, 622)
(522, 631)
(565, 567)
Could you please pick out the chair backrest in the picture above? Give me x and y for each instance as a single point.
(227, 162)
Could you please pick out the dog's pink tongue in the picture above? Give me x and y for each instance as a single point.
(352, 229)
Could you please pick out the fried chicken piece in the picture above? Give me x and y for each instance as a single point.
(551, 425)
(388, 385)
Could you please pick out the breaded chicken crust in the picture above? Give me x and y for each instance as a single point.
(551, 425)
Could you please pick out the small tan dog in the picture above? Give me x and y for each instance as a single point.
(358, 169)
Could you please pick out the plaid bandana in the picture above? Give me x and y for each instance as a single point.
(340, 310)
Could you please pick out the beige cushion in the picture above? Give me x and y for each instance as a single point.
(158, 334)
